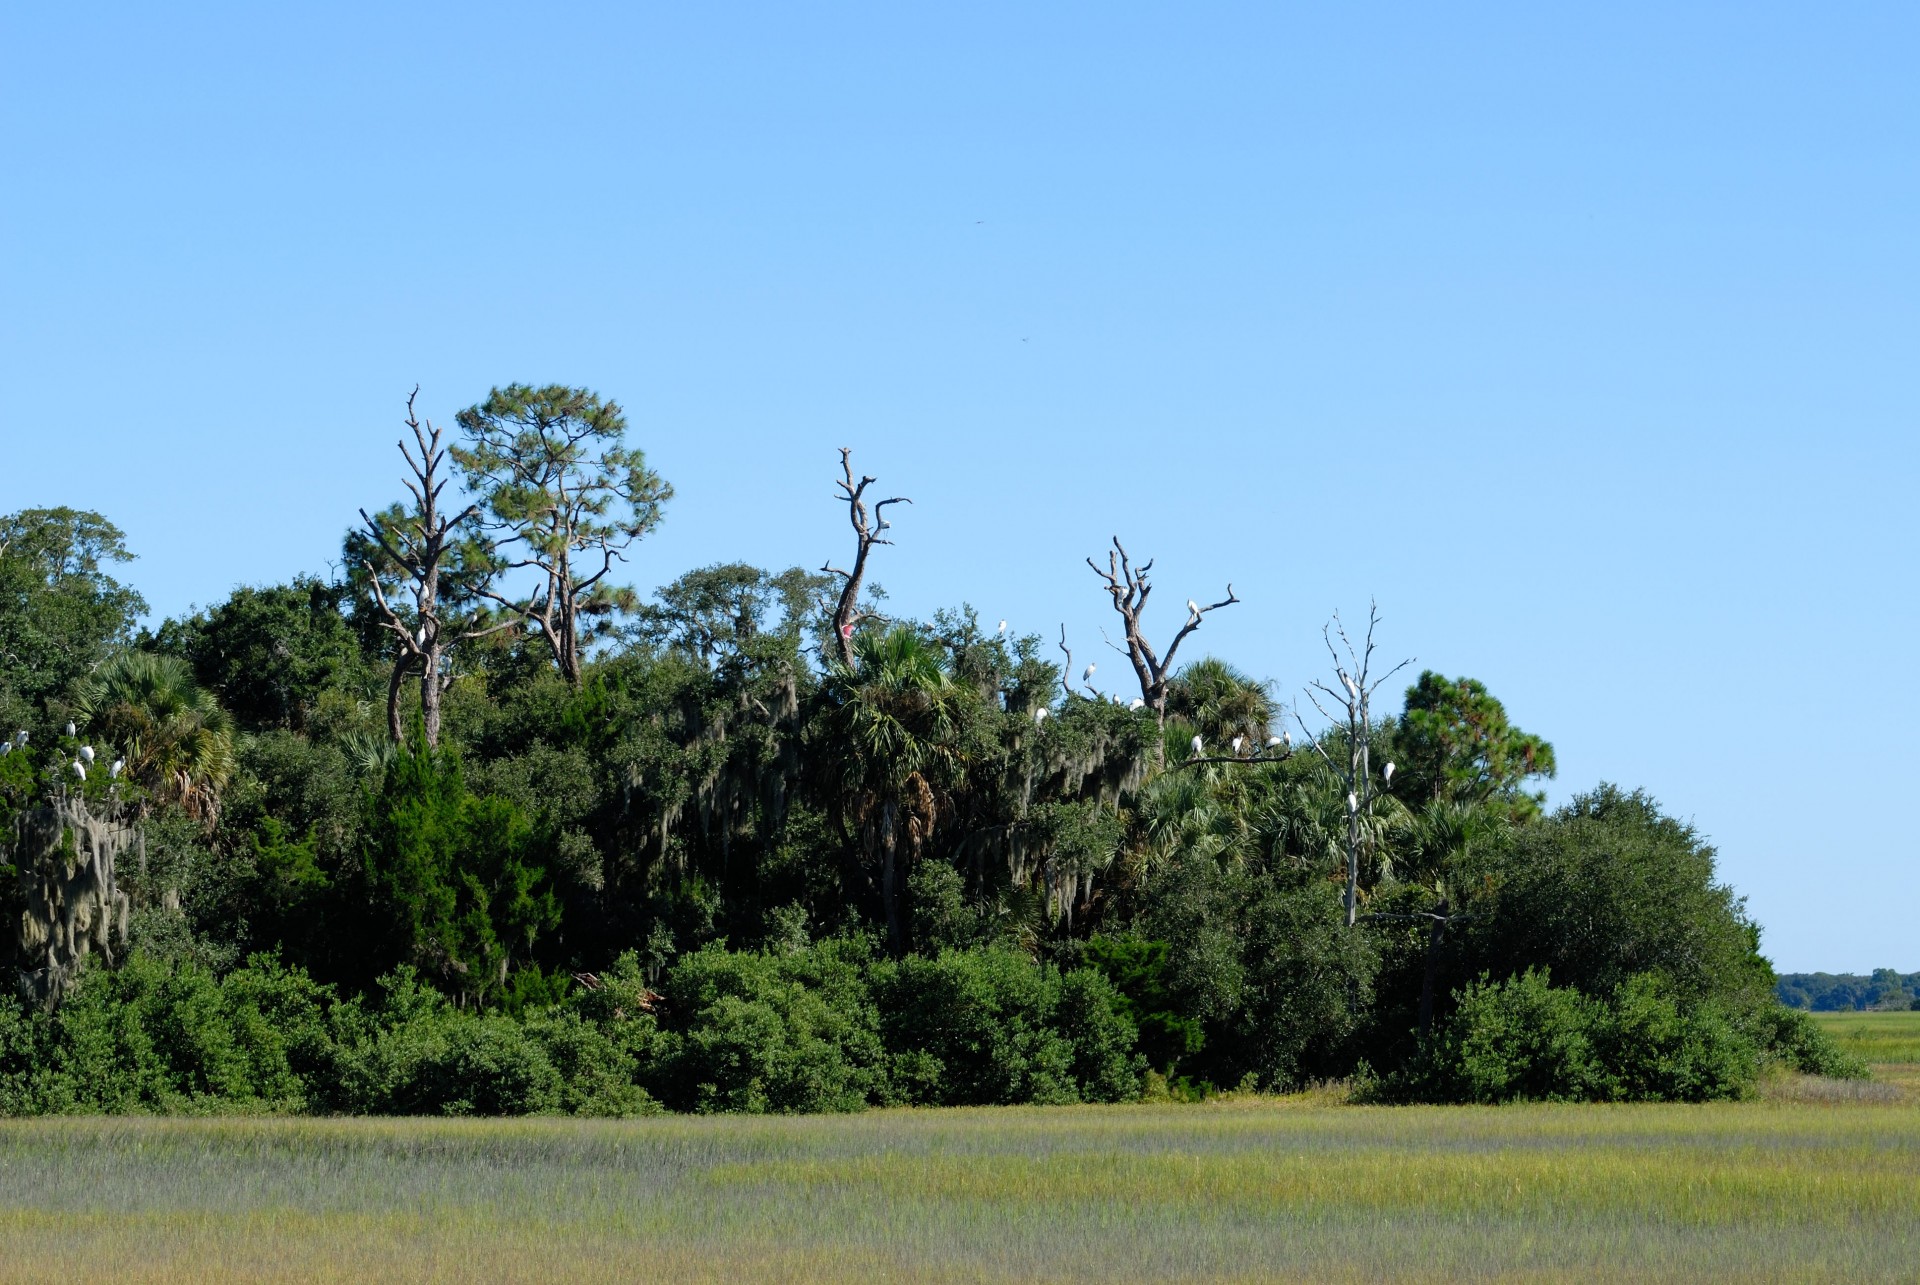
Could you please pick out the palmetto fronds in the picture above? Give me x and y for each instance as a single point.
(177, 742)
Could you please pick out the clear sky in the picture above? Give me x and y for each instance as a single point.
(1585, 341)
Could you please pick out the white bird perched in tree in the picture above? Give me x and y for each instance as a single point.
(1136, 703)
(71, 729)
(1286, 738)
(1087, 673)
(113, 773)
(6, 748)
(1198, 745)
(1272, 741)
(1353, 801)
(86, 754)
(1193, 609)
(1351, 689)
(884, 524)
(1389, 772)
(1003, 629)
(1040, 715)
(78, 770)
(20, 738)
(1238, 741)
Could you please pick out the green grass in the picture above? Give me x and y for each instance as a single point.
(1890, 1039)
(1788, 1188)
(1887, 1042)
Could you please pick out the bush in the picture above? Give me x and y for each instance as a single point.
(761, 1032)
(991, 1027)
(1791, 1038)
(167, 1035)
(1525, 1039)
(417, 1054)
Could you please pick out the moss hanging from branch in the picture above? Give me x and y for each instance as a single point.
(66, 860)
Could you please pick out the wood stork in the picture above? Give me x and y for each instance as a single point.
(1087, 673)
(78, 770)
(86, 754)
(1136, 703)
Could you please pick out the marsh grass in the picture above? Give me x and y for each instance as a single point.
(1883, 1039)
(1276, 1189)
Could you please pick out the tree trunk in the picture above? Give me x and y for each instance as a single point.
(890, 882)
(430, 690)
(395, 685)
(1435, 936)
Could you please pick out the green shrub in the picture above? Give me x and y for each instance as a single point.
(1651, 1049)
(991, 1026)
(1525, 1039)
(761, 1032)
(1791, 1038)
(167, 1035)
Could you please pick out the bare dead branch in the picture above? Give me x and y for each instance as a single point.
(867, 530)
(1130, 587)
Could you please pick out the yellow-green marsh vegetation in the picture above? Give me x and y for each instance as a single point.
(1276, 1189)
(1879, 1039)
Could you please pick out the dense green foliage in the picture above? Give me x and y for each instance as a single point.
(678, 859)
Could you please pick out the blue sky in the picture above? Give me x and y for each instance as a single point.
(1583, 342)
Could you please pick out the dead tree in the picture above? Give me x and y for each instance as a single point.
(420, 545)
(1354, 700)
(1130, 587)
(847, 613)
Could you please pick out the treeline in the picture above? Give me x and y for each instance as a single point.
(474, 828)
(1849, 992)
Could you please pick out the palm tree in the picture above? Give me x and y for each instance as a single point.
(1221, 703)
(177, 741)
(1432, 842)
(898, 718)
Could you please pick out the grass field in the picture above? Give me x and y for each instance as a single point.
(1889, 1042)
(1815, 1180)
(1797, 1186)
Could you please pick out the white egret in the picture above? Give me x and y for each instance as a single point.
(1286, 738)
(86, 754)
(1040, 715)
(1238, 741)
(1087, 673)
(20, 738)
(1003, 629)
(1198, 745)
(71, 729)
(1272, 741)
(6, 748)
(1351, 689)
(1353, 801)
(1136, 703)
(78, 771)
(1193, 609)
(1389, 772)
(113, 773)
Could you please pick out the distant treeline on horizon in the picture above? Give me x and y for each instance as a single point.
(1849, 992)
